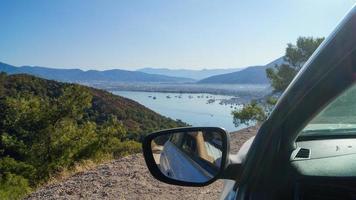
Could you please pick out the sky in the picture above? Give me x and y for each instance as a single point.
(132, 34)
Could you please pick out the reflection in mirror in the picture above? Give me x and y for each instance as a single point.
(189, 156)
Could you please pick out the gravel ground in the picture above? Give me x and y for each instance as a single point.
(128, 178)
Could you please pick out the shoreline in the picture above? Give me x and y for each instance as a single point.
(241, 90)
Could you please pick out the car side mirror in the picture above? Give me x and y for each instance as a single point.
(193, 156)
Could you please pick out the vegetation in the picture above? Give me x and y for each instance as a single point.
(295, 57)
(250, 113)
(280, 77)
(47, 127)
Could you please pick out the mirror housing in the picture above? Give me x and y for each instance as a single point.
(157, 145)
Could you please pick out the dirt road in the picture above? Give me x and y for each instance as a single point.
(128, 178)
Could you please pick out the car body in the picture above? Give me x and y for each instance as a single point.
(306, 149)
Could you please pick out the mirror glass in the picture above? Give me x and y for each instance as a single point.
(193, 156)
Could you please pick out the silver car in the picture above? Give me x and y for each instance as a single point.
(306, 149)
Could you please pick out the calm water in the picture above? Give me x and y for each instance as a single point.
(190, 108)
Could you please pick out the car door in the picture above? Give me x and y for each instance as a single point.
(267, 171)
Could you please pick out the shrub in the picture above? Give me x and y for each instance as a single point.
(13, 186)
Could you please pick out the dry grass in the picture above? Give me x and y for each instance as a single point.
(81, 166)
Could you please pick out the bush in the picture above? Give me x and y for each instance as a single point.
(13, 187)
(10, 165)
(127, 148)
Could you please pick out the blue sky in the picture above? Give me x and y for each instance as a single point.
(130, 34)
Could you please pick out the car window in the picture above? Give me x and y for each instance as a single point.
(337, 119)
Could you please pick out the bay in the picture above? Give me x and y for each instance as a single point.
(193, 109)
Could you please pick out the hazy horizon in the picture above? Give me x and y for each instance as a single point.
(131, 35)
(88, 68)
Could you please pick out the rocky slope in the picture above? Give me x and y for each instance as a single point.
(128, 178)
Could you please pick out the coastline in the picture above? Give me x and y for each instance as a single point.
(243, 90)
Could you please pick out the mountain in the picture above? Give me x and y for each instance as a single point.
(278, 61)
(249, 75)
(193, 74)
(77, 75)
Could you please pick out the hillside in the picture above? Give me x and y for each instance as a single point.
(77, 75)
(46, 127)
(136, 118)
(249, 75)
(193, 74)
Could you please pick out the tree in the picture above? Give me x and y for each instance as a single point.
(252, 112)
(2, 82)
(295, 57)
(280, 77)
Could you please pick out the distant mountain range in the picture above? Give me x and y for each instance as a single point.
(77, 75)
(249, 75)
(187, 73)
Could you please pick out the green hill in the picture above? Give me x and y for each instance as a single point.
(48, 126)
